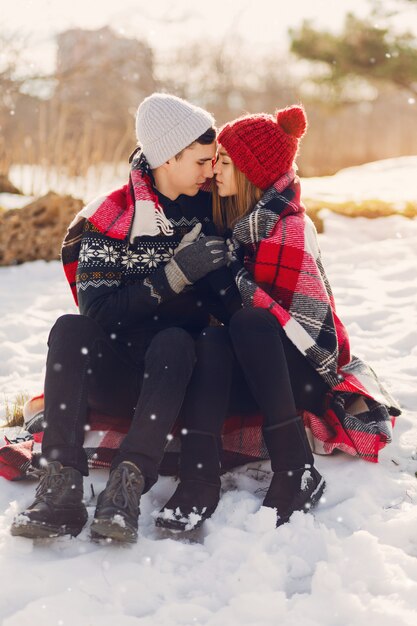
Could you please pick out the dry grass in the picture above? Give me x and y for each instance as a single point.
(14, 410)
(366, 208)
(370, 209)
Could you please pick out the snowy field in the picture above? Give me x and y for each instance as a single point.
(352, 563)
(390, 180)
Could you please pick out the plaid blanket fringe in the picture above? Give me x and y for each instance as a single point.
(20, 454)
(242, 442)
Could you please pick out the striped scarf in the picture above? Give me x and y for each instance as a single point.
(131, 211)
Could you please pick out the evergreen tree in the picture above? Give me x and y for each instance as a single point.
(363, 49)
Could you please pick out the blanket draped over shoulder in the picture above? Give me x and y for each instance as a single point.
(131, 211)
(281, 271)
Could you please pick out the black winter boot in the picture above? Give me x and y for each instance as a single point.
(117, 510)
(296, 485)
(58, 508)
(197, 496)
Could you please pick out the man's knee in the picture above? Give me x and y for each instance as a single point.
(72, 321)
(72, 325)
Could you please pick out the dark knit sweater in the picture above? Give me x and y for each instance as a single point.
(123, 285)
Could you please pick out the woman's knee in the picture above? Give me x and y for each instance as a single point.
(248, 321)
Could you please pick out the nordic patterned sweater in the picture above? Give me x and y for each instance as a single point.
(123, 286)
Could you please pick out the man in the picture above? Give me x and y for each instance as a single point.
(132, 259)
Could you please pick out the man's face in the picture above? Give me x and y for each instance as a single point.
(191, 169)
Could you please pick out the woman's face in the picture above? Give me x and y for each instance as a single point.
(225, 174)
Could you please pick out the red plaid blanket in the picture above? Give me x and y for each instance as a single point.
(281, 271)
(20, 453)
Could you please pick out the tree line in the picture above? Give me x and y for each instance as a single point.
(82, 113)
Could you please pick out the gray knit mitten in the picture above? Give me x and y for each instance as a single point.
(194, 259)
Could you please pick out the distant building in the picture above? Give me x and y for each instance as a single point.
(100, 64)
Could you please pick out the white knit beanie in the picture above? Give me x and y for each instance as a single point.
(165, 125)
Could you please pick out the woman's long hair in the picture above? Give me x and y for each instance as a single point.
(227, 211)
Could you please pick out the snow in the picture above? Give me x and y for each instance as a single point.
(33, 179)
(352, 561)
(389, 180)
(191, 520)
(305, 479)
(14, 201)
(119, 520)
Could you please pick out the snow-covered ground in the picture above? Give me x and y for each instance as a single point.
(354, 562)
(38, 180)
(390, 180)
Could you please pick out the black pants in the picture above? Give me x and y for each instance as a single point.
(86, 368)
(249, 367)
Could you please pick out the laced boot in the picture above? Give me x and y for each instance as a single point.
(296, 484)
(58, 508)
(117, 510)
(198, 493)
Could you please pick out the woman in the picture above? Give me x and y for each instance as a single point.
(288, 340)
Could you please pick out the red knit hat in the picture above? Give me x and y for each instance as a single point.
(264, 147)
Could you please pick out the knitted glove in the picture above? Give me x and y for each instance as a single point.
(194, 259)
(189, 238)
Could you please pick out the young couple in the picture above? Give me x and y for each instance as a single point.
(150, 265)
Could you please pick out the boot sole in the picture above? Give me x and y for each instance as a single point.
(165, 518)
(177, 526)
(107, 529)
(180, 526)
(32, 530)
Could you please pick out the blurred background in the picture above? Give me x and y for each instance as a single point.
(73, 73)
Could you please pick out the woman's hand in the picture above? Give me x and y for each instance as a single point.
(189, 238)
(232, 248)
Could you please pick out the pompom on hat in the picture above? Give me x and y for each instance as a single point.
(262, 146)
